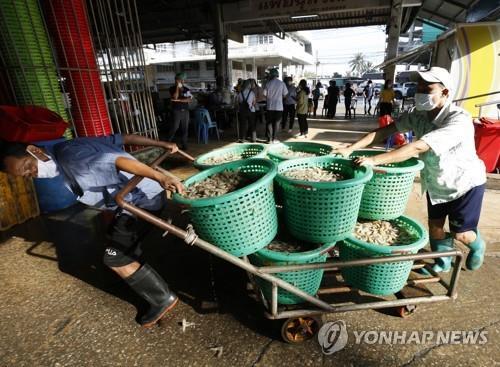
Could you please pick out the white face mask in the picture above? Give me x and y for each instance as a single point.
(180, 85)
(47, 169)
(424, 102)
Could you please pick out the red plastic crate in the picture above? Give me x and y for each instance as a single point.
(487, 138)
(30, 123)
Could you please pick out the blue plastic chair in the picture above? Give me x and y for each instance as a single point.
(203, 125)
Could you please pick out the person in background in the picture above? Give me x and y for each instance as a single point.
(368, 94)
(310, 104)
(316, 93)
(348, 94)
(302, 107)
(95, 170)
(180, 99)
(453, 176)
(247, 102)
(239, 84)
(260, 105)
(386, 99)
(289, 107)
(275, 92)
(333, 98)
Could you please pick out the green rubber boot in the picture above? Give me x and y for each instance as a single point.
(476, 254)
(442, 264)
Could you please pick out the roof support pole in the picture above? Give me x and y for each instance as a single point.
(221, 52)
(393, 31)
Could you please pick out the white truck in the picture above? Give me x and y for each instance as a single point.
(403, 90)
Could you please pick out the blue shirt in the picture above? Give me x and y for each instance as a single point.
(90, 162)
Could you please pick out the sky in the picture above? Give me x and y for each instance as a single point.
(335, 47)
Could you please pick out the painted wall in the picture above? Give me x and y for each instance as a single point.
(475, 66)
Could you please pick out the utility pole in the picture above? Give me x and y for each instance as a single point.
(317, 64)
(393, 30)
(221, 53)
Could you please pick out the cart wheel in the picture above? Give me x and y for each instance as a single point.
(406, 311)
(300, 329)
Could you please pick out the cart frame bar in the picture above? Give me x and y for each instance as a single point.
(266, 272)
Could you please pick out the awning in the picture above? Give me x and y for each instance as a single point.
(413, 55)
(407, 56)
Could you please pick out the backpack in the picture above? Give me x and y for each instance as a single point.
(244, 107)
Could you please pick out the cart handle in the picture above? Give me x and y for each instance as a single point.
(185, 155)
(191, 239)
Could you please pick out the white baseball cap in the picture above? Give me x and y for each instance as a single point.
(435, 75)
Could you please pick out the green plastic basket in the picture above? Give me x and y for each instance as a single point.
(28, 57)
(240, 222)
(315, 148)
(322, 212)
(306, 280)
(246, 151)
(385, 278)
(24, 36)
(385, 196)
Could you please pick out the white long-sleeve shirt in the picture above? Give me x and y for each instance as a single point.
(275, 91)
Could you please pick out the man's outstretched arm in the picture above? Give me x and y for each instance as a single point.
(133, 139)
(376, 136)
(137, 168)
(398, 155)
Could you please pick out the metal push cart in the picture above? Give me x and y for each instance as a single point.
(303, 321)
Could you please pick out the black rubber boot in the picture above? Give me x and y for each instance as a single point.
(147, 283)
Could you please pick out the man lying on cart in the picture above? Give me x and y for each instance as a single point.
(454, 177)
(96, 169)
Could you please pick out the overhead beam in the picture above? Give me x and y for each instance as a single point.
(350, 17)
(252, 10)
(254, 29)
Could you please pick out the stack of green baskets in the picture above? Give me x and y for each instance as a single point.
(384, 278)
(274, 152)
(385, 196)
(28, 57)
(245, 150)
(306, 280)
(322, 212)
(243, 221)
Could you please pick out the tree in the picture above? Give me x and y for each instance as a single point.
(357, 64)
(337, 75)
(369, 67)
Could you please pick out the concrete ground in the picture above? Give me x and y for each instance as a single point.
(61, 307)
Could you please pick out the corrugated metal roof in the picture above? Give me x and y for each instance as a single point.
(445, 12)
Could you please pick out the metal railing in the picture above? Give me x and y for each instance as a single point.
(481, 105)
(476, 96)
